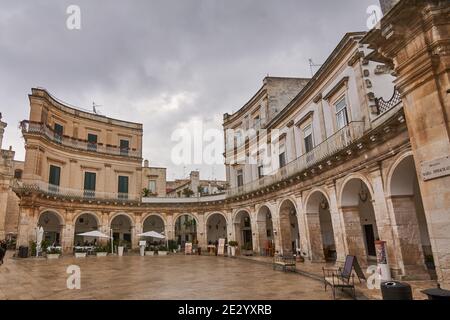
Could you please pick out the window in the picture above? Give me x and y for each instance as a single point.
(257, 122)
(92, 142)
(260, 171)
(54, 178)
(282, 154)
(59, 132)
(282, 159)
(152, 186)
(89, 184)
(308, 138)
(124, 147)
(240, 178)
(341, 114)
(18, 174)
(123, 187)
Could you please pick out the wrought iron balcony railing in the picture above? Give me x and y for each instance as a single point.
(53, 190)
(384, 106)
(334, 144)
(39, 128)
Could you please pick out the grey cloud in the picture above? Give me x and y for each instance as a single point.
(130, 52)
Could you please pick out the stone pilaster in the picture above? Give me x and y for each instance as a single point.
(413, 37)
(315, 237)
(338, 224)
(353, 231)
(384, 220)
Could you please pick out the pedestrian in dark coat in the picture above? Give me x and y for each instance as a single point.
(2, 251)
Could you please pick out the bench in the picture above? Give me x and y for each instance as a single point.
(341, 278)
(286, 262)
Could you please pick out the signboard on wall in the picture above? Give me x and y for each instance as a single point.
(221, 248)
(188, 248)
(435, 168)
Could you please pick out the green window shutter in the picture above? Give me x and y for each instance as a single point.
(90, 181)
(55, 175)
(123, 184)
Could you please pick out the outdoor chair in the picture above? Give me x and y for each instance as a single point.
(340, 278)
(286, 262)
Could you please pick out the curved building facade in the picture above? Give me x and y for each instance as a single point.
(324, 173)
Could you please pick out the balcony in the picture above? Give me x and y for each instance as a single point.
(57, 191)
(383, 106)
(331, 146)
(38, 128)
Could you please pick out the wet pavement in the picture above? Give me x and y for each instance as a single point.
(153, 277)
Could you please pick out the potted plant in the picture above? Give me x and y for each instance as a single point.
(150, 251)
(162, 251)
(80, 253)
(53, 253)
(120, 248)
(247, 249)
(101, 251)
(173, 246)
(233, 245)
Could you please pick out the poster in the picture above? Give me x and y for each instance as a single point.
(188, 248)
(221, 248)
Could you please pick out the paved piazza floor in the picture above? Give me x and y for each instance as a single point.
(170, 277)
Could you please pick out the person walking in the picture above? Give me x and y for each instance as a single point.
(3, 247)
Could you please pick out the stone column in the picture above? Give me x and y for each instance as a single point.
(284, 229)
(261, 230)
(4, 188)
(137, 229)
(201, 232)
(25, 225)
(408, 233)
(67, 237)
(338, 225)
(354, 234)
(384, 220)
(255, 234)
(3, 125)
(315, 237)
(302, 226)
(414, 38)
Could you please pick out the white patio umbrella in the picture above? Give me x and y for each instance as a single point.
(152, 234)
(97, 234)
(94, 234)
(39, 237)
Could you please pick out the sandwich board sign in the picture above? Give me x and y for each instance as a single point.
(221, 248)
(188, 248)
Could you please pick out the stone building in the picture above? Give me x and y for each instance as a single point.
(9, 203)
(413, 38)
(348, 161)
(197, 187)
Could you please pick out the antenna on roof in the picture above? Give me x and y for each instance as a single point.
(311, 65)
(94, 107)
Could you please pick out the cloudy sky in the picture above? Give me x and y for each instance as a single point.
(164, 63)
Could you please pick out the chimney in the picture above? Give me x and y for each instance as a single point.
(387, 5)
(2, 130)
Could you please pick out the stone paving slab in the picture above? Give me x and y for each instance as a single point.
(166, 277)
(314, 271)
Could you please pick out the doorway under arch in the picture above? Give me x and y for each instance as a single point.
(122, 229)
(320, 228)
(410, 220)
(52, 224)
(290, 234)
(265, 231)
(85, 223)
(186, 230)
(359, 220)
(216, 228)
(243, 230)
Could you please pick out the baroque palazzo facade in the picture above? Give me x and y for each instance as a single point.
(345, 170)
